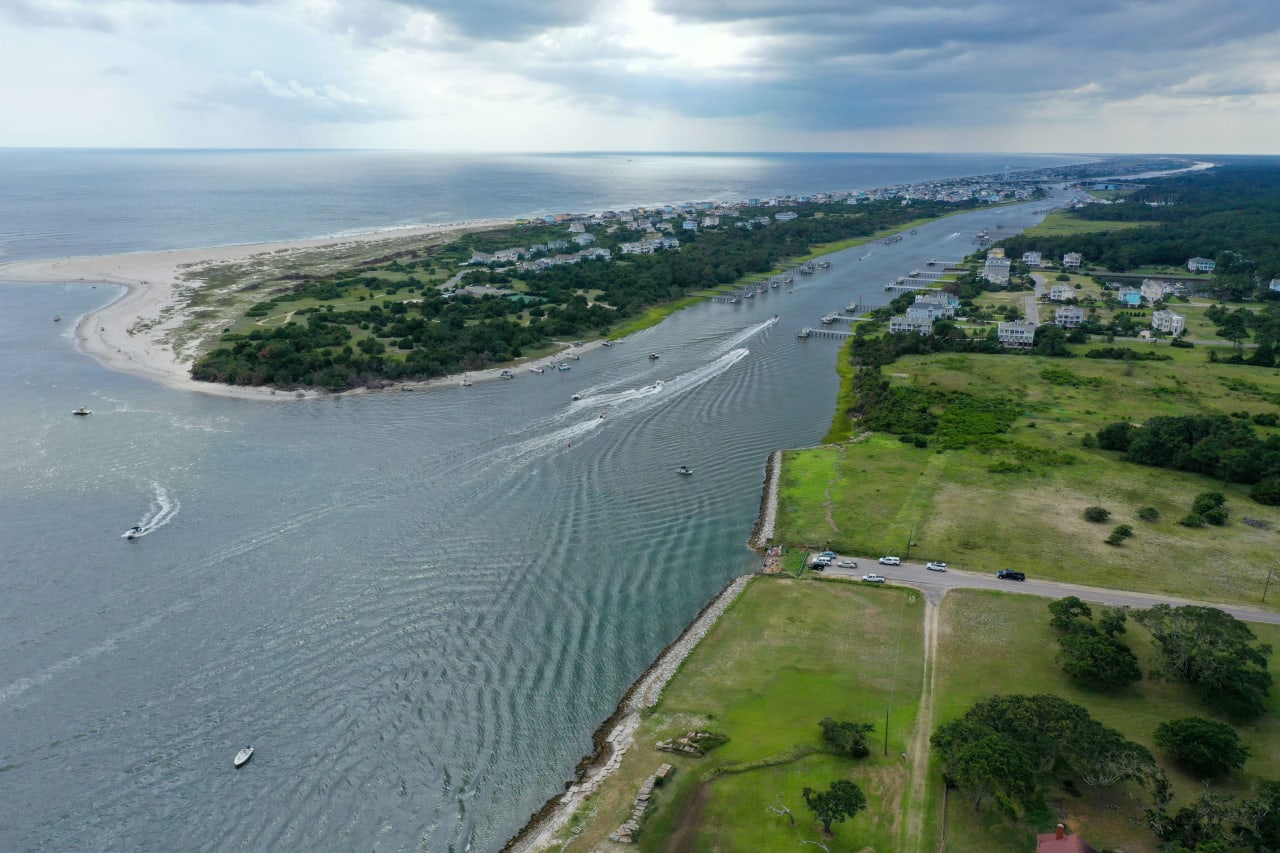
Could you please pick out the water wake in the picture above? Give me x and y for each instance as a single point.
(162, 511)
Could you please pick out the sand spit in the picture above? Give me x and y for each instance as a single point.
(154, 330)
(616, 735)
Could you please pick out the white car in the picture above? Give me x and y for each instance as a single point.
(848, 564)
(891, 561)
(937, 566)
(873, 578)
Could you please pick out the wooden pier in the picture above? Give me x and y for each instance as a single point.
(822, 333)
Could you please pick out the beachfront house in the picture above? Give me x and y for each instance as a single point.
(1016, 335)
(1062, 292)
(584, 239)
(1200, 264)
(481, 258)
(996, 270)
(1168, 322)
(920, 325)
(1031, 259)
(1069, 316)
(1154, 291)
(1072, 260)
(945, 304)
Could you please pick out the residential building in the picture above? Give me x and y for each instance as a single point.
(508, 255)
(995, 252)
(785, 216)
(481, 258)
(1061, 842)
(1154, 291)
(577, 228)
(689, 225)
(1069, 316)
(945, 304)
(996, 270)
(1031, 259)
(584, 239)
(710, 221)
(1062, 292)
(1016, 335)
(1201, 265)
(1168, 322)
(907, 323)
(1072, 260)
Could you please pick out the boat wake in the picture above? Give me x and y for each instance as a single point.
(745, 335)
(162, 511)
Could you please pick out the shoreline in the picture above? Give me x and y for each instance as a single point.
(131, 332)
(616, 734)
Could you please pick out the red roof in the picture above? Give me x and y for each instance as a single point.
(1048, 842)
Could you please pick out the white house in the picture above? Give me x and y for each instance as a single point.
(945, 304)
(1153, 290)
(996, 270)
(785, 216)
(1031, 259)
(1062, 292)
(1069, 316)
(1016, 335)
(907, 323)
(1168, 322)
(481, 258)
(584, 239)
(1201, 264)
(1072, 260)
(689, 225)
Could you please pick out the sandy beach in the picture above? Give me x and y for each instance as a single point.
(136, 332)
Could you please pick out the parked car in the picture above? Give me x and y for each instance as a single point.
(820, 563)
(873, 578)
(830, 555)
(891, 561)
(936, 566)
(848, 564)
(1010, 575)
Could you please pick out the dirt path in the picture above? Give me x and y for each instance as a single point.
(919, 750)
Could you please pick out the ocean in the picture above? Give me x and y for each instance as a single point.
(415, 605)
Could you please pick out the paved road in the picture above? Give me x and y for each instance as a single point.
(935, 585)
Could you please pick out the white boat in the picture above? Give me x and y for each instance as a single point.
(828, 320)
(578, 396)
(57, 318)
(466, 383)
(606, 343)
(506, 374)
(243, 756)
(573, 355)
(82, 411)
(132, 533)
(686, 470)
(653, 356)
(535, 369)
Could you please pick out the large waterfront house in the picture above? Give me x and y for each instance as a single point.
(1168, 322)
(1072, 260)
(943, 304)
(1016, 335)
(996, 270)
(1031, 259)
(1201, 264)
(1062, 292)
(920, 325)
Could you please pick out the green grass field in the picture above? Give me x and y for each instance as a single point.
(1019, 504)
(1059, 224)
(785, 655)
(979, 629)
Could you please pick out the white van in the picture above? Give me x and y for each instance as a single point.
(890, 561)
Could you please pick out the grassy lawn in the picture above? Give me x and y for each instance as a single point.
(1019, 503)
(980, 627)
(1059, 224)
(785, 655)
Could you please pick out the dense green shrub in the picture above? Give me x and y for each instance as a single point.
(1096, 514)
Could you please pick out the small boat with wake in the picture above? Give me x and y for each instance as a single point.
(242, 757)
(533, 368)
(653, 356)
(465, 383)
(132, 533)
(562, 366)
(578, 396)
(82, 411)
(573, 355)
(685, 470)
(606, 343)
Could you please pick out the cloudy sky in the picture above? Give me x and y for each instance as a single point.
(1179, 76)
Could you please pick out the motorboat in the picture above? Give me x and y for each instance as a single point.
(733, 301)
(466, 383)
(132, 533)
(573, 355)
(562, 366)
(242, 757)
(653, 356)
(82, 411)
(577, 396)
(535, 369)
(828, 320)
(685, 470)
(606, 343)
(506, 374)
(57, 318)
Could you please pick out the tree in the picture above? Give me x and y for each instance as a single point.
(848, 738)
(1205, 747)
(1066, 611)
(841, 801)
(1102, 757)
(1096, 514)
(1112, 619)
(1215, 653)
(1098, 661)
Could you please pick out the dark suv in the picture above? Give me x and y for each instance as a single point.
(1010, 575)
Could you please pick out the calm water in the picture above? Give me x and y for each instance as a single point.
(417, 606)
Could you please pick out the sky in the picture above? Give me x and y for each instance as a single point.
(1080, 76)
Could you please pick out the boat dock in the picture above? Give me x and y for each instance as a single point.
(808, 332)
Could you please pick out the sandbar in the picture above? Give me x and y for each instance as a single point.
(134, 332)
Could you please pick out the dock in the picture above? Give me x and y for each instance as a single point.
(809, 332)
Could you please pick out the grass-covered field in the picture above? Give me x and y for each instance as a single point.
(1060, 224)
(978, 628)
(785, 655)
(1019, 503)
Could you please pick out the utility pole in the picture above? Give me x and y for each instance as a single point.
(1266, 585)
(886, 731)
(910, 536)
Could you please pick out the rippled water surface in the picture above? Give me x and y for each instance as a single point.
(415, 605)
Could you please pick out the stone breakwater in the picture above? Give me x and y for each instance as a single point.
(768, 516)
(616, 735)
